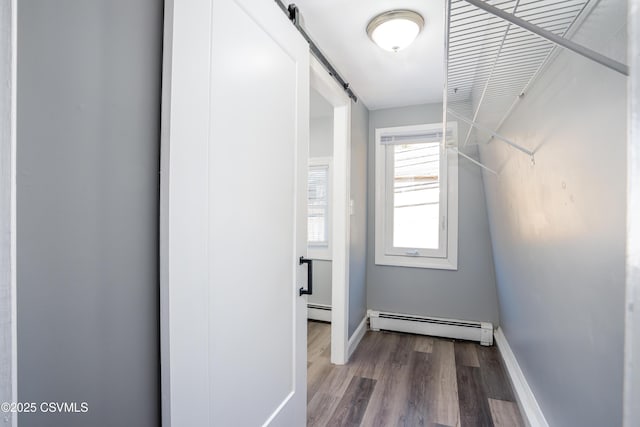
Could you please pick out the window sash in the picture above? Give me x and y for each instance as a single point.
(389, 198)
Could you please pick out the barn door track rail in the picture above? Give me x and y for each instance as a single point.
(293, 13)
(496, 49)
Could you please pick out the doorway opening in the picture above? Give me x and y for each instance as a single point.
(319, 234)
(328, 214)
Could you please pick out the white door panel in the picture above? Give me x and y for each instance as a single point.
(255, 226)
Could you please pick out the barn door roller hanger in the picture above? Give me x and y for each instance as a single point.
(293, 13)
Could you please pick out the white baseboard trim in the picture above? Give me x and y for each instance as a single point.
(357, 336)
(321, 312)
(531, 412)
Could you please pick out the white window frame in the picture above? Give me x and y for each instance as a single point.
(321, 251)
(446, 256)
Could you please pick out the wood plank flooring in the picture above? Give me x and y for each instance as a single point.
(396, 379)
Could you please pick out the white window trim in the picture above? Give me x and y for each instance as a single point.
(447, 259)
(321, 252)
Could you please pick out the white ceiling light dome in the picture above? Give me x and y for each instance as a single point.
(396, 29)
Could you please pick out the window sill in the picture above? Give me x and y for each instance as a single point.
(417, 262)
(319, 254)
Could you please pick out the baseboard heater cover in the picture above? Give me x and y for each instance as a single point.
(447, 328)
(320, 312)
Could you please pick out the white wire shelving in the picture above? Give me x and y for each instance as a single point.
(494, 52)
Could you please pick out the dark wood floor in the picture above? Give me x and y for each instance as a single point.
(408, 380)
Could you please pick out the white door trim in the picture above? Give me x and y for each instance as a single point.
(632, 306)
(324, 84)
(163, 225)
(8, 331)
(186, 28)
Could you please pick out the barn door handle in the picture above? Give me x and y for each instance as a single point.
(309, 263)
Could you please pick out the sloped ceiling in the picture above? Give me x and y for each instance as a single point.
(379, 78)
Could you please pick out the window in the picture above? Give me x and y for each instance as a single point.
(319, 212)
(416, 212)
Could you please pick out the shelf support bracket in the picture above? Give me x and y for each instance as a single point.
(472, 160)
(560, 41)
(493, 134)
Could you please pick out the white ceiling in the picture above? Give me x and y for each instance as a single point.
(379, 78)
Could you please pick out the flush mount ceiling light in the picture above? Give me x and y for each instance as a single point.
(396, 29)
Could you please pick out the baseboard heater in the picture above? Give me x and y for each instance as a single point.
(320, 312)
(448, 328)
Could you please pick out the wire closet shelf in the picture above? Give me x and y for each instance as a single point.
(491, 61)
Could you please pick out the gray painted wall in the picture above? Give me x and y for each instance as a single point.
(321, 136)
(558, 230)
(468, 293)
(358, 249)
(87, 207)
(321, 282)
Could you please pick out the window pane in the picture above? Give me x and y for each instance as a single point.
(317, 226)
(416, 195)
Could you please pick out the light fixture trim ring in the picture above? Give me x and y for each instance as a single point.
(390, 15)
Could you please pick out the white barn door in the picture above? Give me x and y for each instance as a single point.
(233, 215)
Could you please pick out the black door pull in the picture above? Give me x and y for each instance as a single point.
(309, 262)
